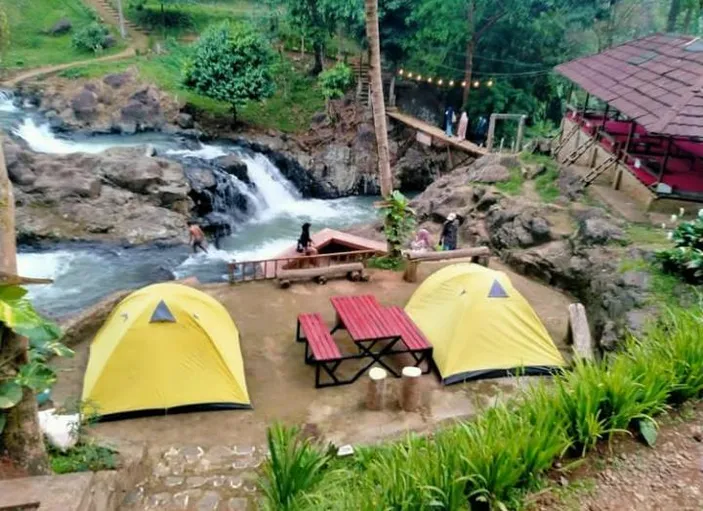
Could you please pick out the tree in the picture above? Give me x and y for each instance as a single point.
(231, 63)
(316, 20)
(120, 16)
(334, 83)
(21, 437)
(4, 36)
(377, 102)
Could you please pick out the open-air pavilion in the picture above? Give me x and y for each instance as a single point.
(639, 126)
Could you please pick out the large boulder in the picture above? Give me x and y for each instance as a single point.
(231, 164)
(201, 178)
(489, 174)
(61, 27)
(143, 108)
(599, 231)
(517, 224)
(117, 80)
(84, 104)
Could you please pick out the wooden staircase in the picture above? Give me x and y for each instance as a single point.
(595, 172)
(110, 9)
(579, 151)
(363, 82)
(565, 140)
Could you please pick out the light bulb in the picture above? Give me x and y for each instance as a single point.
(451, 83)
(419, 77)
(476, 84)
(490, 83)
(429, 80)
(440, 82)
(401, 72)
(410, 75)
(463, 84)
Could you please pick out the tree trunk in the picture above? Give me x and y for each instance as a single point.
(120, 15)
(377, 102)
(22, 438)
(319, 50)
(687, 19)
(470, 48)
(674, 12)
(391, 91)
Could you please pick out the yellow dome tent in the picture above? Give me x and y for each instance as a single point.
(165, 347)
(480, 326)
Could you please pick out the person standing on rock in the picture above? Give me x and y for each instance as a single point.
(449, 120)
(196, 237)
(450, 230)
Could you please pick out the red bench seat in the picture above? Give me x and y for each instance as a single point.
(316, 334)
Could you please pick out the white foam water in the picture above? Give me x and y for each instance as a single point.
(7, 102)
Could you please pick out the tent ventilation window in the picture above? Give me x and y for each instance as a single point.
(162, 314)
(497, 291)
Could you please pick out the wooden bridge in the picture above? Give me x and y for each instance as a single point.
(434, 134)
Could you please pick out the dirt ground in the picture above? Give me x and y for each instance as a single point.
(281, 386)
(638, 478)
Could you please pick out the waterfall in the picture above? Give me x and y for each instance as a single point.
(7, 101)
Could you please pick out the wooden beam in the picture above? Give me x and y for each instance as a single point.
(580, 332)
(461, 253)
(337, 270)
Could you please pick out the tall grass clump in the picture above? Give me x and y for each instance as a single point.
(295, 465)
(490, 462)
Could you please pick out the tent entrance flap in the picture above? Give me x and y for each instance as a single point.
(480, 326)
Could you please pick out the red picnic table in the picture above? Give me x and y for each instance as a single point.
(377, 331)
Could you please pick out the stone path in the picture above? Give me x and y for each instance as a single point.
(220, 478)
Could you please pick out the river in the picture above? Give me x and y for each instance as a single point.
(85, 272)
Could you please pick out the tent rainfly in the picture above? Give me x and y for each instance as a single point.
(480, 326)
(166, 347)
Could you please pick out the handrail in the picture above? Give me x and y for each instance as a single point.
(266, 269)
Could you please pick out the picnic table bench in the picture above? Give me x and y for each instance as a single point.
(377, 331)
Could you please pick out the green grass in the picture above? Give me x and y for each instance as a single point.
(494, 460)
(30, 47)
(646, 235)
(545, 183)
(514, 185)
(387, 263)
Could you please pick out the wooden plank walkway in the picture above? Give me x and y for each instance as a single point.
(436, 133)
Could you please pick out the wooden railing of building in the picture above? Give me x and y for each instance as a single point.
(267, 269)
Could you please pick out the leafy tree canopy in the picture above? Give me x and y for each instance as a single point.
(231, 63)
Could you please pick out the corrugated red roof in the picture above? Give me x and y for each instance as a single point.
(655, 80)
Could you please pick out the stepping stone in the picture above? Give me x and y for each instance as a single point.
(195, 481)
(209, 502)
(161, 470)
(135, 497)
(241, 464)
(192, 454)
(237, 504)
(172, 481)
(219, 456)
(234, 482)
(158, 501)
(218, 481)
(184, 499)
(244, 450)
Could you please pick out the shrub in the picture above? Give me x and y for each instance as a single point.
(93, 37)
(295, 465)
(398, 221)
(686, 258)
(334, 82)
(84, 457)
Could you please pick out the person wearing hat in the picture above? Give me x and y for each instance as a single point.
(450, 230)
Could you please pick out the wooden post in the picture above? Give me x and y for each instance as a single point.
(520, 132)
(376, 391)
(585, 105)
(410, 274)
(630, 134)
(605, 116)
(410, 398)
(491, 133)
(22, 438)
(580, 332)
(665, 161)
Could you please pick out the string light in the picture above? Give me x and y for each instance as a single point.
(439, 82)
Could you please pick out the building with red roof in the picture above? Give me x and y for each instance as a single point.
(640, 128)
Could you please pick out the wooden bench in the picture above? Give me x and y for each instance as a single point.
(477, 255)
(413, 339)
(320, 348)
(353, 271)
